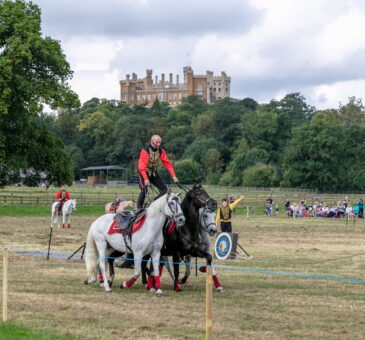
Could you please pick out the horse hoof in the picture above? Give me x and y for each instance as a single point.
(159, 293)
(101, 284)
(108, 290)
(220, 290)
(124, 285)
(89, 281)
(183, 280)
(152, 290)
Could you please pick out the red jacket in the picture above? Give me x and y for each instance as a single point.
(144, 158)
(59, 196)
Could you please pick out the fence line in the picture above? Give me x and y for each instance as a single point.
(99, 197)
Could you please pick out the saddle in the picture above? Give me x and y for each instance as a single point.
(126, 219)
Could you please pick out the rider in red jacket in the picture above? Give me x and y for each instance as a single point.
(149, 158)
(62, 196)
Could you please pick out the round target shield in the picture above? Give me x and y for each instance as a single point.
(223, 246)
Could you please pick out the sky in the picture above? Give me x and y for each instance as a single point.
(269, 47)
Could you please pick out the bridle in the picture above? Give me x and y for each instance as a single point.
(175, 214)
(202, 221)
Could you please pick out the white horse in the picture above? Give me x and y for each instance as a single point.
(67, 209)
(148, 240)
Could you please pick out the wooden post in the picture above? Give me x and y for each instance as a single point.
(248, 211)
(5, 286)
(208, 304)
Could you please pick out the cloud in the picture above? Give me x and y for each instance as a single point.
(269, 48)
(124, 18)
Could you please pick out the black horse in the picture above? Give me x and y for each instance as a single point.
(187, 241)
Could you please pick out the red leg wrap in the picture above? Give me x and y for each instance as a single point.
(157, 282)
(69, 226)
(161, 269)
(63, 225)
(150, 282)
(100, 277)
(203, 269)
(216, 282)
(131, 282)
(177, 286)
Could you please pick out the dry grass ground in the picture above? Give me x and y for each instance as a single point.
(50, 295)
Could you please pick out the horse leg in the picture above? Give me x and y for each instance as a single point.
(176, 260)
(68, 218)
(187, 270)
(217, 284)
(145, 271)
(102, 246)
(151, 279)
(63, 219)
(156, 256)
(137, 271)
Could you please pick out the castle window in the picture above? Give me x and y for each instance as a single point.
(215, 90)
(219, 89)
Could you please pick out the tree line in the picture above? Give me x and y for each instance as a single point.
(231, 142)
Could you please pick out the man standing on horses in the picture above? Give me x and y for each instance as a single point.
(224, 214)
(149, 158)
(62, 196)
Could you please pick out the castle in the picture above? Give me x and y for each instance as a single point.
(134, 91)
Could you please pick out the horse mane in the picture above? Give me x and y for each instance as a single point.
(157, 204)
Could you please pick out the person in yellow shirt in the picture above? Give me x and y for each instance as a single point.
(224, 214)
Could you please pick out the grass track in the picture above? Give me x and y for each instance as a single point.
(50, 295)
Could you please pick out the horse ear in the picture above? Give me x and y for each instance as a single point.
(169, 191)
(194, 186)
(178, 194)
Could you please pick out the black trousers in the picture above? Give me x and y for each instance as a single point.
(155, 180)
(226, 227)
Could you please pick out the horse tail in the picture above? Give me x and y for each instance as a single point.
(91, 255)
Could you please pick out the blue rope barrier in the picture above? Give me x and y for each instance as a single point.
(65, 256)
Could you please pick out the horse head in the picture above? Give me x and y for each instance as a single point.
(173, 209)
(207, 220)
(201, 198)
(73, 205)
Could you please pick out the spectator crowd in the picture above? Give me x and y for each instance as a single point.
(317, 209)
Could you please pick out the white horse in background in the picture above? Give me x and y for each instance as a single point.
(148, 240)
(67, 209)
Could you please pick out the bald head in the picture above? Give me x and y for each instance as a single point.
(156, 141)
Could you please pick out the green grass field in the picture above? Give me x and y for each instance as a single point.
(14, 332)
(50, 296)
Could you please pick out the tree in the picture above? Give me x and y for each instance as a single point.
(259, 175)
(188, 171)
(212, 165)
(33, 72)
(353, 113)
(315, 154)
